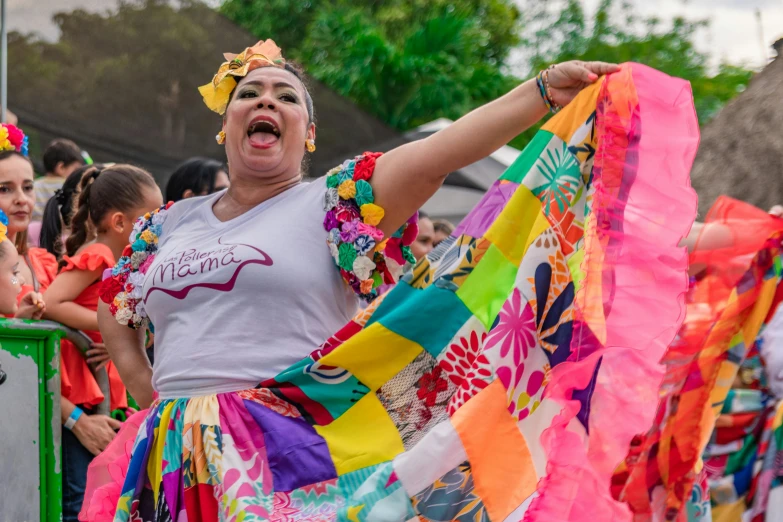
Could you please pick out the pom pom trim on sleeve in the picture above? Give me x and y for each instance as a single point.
(122, 290)
(365, 258)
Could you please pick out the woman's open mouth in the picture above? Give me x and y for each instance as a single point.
(263, 134)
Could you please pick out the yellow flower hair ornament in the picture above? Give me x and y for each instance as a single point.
(263, 54)
(3, 226)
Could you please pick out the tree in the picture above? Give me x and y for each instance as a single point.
(406, 61)
(619, 35)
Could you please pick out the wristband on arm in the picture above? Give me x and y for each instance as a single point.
(71, 421)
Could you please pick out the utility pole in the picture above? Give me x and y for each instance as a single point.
(762, 40)
(3, 63)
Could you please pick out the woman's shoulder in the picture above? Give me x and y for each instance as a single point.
(93, 257)
(366, 259)
(175, 213)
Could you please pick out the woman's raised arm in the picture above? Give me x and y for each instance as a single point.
(126, 349)
(406, 177)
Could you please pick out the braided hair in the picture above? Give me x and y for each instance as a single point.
(58, 212)
(115, 188)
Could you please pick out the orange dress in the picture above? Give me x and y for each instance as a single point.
(77, 382)
(44, 266)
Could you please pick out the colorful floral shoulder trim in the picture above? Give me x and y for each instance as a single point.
(122, 290)
(366, 260)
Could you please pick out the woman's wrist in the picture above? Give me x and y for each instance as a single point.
(545, 90)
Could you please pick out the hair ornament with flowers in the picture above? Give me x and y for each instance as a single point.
(12, 138)
(3, 226)
(217, 93)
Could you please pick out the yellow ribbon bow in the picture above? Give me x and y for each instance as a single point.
(217, 93)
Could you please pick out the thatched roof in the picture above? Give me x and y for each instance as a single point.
(741, 151)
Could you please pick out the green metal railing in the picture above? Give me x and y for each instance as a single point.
(30, 362)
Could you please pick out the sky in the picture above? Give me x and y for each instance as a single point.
(733, 34)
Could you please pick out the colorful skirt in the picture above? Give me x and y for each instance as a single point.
(729, 304)
(503, 378)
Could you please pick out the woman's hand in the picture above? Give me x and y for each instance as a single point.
(777, 211)
(567, 79)
(98, 355)
(95, 432)
(31, 307)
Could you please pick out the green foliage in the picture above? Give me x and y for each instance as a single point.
(141, 62)
(406, 61)
(411, 61)
(618, 35)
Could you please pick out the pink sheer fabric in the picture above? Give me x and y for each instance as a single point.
(107, 473)
(643, 204)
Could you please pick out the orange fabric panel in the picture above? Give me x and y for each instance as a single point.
(503, 471)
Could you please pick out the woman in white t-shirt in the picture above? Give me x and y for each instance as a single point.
(241, 286)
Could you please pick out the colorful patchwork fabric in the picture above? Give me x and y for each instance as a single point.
(366, 260)
(502, 379)
(742, 463)
(727, 308)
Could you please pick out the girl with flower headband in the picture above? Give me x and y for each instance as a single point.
(109, 201)
(395, 417)
(32, 305)
(37, 267)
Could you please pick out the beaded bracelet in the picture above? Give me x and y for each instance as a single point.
(542, 81)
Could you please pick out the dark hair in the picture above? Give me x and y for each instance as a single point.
(61, 151)
(423, 215)
(297, 71)
(196, 174)
(118, 187)
(59, 210)
(8, 153)
(21, 238)
(442, 225)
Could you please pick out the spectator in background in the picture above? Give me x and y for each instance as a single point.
(197, 177)
(423, 244)
(60, 159)
(443, 229)
(37, 268)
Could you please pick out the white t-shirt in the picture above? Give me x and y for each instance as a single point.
(237, 302)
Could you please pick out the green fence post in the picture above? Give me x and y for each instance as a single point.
(30, 443)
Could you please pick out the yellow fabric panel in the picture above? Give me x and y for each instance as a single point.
(761, 308)
(360, 355)
(520, 223)
(503, 470)
(729, 512)
(363, 436)
(575, 113)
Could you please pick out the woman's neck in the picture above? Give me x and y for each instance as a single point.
(243, 195)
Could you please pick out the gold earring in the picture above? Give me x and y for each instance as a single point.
(221, 137)
(310, 146)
